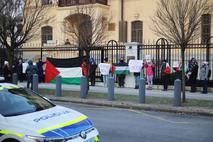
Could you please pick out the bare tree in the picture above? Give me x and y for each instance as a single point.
(87, 28)
(179, 21)
(19, 22)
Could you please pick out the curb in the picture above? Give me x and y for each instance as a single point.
(137, 106)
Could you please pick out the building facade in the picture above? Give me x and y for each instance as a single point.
(128, 20)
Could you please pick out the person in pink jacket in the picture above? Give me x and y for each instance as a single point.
(149, 72)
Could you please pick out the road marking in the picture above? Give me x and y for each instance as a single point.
(158, 117)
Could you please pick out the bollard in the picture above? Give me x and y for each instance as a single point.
(58, 91)
(15, 78)
(177, 93)
(111, 87)
(35, 83)
(84, 87)
(142, 90)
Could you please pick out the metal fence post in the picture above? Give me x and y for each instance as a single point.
(35, 83)
(177, 93)
(111, 87)
(58, 91)
(142, 90)
(84, 87)
(15, 78)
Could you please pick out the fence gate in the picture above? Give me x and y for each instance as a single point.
(163, 52)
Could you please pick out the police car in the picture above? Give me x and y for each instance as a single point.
(28, 117)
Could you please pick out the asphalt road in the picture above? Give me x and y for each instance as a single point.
(120, 125)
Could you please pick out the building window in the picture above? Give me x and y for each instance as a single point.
(205, 27)
(137, 31)
(46, 34)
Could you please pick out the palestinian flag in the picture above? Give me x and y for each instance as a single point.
(69, 69)
(121, 70)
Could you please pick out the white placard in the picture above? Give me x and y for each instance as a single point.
(24, 67)
(104, 68)
(135, 65)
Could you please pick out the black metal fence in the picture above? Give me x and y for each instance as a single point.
(114, 51)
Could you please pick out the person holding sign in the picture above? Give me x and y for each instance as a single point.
(135, 66)
(121, 70)
(105, 70)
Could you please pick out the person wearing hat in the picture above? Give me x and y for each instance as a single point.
(204, 77)
(149, 65)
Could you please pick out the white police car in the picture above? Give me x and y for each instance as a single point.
(27, 117)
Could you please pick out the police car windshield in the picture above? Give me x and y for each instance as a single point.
(21, 101)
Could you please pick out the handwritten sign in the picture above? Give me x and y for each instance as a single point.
(104, 68)
(135, 65)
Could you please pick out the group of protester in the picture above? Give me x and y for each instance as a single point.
(166, 71)
(89, 67)
(27, 74)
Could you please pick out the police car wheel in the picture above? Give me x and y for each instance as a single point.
(10, 140)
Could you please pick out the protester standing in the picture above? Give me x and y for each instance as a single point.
(7, 72)
(85, 67)
(177, 70)
(149, 66)
(105, 76)
(192, 72)
(165, 74)
(204, 70)
(20, 70)
(39, 65)
(121, 75)
(30, 71)
(93, 67)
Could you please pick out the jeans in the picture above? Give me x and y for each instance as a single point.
(150, 80)
(105, 77)
(137, 78)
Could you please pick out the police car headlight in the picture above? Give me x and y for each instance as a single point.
(43, 139)
(35, 138)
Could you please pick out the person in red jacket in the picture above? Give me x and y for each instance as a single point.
(165, 74)
(85, 67)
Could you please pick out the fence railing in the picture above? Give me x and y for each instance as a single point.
(171, 52)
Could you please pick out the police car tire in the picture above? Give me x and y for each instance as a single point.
(10, 140)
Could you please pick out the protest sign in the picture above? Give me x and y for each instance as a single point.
(104, 68)
(135, 65)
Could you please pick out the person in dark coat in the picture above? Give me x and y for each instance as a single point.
(192, 74)
(30, 71)
(93, 67)
(20, 70)
(7, 72)
(39, 65)
(121, 77)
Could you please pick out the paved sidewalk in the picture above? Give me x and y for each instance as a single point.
(129, 91)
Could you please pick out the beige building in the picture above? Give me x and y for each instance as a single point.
(129, 20)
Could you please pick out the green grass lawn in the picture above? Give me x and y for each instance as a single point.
(130, 98)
